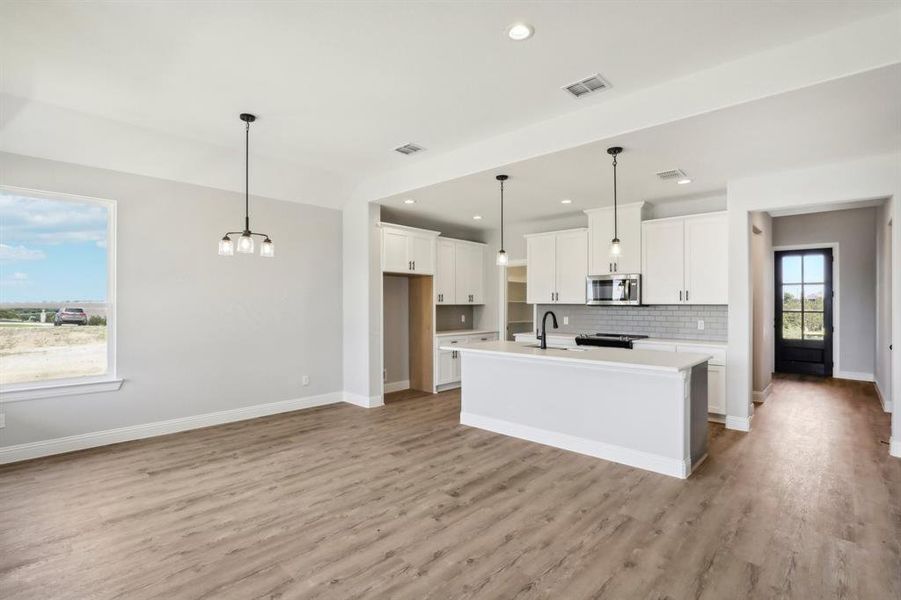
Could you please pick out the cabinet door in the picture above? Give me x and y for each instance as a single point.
(662, 262)
(630, 240)
(716, 390)
(600, 233)
(445, 272)
(421, 250)
(446, 366)
(394, 251)
(572, 267)
(541, 274)
(475, 273)
(707, 259)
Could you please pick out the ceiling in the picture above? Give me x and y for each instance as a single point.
(338, 85)
(851, 117)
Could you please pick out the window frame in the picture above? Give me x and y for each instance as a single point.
(110, 380)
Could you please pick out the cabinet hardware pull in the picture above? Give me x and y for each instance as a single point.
(680, 295)
(686, 295)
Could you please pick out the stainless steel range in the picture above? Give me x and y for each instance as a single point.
(609, 340)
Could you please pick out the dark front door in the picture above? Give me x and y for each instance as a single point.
(804, 311)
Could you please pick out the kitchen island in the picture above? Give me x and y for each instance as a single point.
(642, 408)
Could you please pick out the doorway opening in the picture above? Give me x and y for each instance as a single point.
(803, 311)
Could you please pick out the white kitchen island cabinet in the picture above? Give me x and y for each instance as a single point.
(644, 409)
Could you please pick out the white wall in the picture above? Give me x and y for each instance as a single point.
(854, 231)
(762, 300)
(854, 180)
(197, 333)
(884, 265)
(362, 318)
(397, 328)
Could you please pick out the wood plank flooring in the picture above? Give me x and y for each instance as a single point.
(403, 502)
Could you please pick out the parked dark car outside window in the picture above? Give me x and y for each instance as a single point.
(75, 316)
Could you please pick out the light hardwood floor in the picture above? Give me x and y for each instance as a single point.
(402, 502)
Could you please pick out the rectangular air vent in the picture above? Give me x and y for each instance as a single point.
(671, 174)
(410, 148)
(583, 87)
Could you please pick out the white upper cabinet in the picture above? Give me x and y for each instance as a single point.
(407, 250)
(557, 267)
(470, 273)
(600, 234)
(707, 259)
(662, 272)
(460, 275)
(446, 272)
(541, 274)
(685, 260)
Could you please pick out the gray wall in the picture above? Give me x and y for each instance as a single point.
(198, 333)
(855, 232)
(396, 324)
(676, 321)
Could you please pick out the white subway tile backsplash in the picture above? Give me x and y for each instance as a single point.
(671, 321)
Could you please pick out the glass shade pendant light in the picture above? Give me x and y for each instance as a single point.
(616, 248)
(246, 243)
(501, 254)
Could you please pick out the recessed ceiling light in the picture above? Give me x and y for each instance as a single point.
(477, 217)
(683, 181)
(519, 32)
(409, 201)
(566, 201)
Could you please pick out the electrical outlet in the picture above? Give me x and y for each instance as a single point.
(566, 320)
(306, 379)
(700, 324)
(462, 318)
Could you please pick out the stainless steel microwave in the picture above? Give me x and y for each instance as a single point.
(606, 290)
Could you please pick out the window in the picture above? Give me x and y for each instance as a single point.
(803, 296)
(57, 292)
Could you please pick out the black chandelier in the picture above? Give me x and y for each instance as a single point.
(245, 242)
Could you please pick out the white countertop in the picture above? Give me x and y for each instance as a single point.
(609, 357)
(711, 343)
(652, 340)
(453, 332)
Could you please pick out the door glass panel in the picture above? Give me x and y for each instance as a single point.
(791, 297)
(791, 269)
(813, 326)
(791, 326)
(813, 268)
(813, 297)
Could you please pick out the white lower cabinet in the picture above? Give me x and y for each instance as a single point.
(447, 362)
(716, 389)
(716, 368)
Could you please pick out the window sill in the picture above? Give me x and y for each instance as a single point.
(59, 388)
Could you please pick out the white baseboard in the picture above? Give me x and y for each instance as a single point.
(887, 405)
(760, 397)
(82, 441)
(364, 401)
(854, 375)
(738, 423)
(397, 386)
(634, 458)
(895, 447)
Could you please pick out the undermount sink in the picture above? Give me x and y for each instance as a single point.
(538, 346)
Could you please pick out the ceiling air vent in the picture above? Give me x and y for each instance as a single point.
(410, 148)
(671, 174)
(595, 83)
